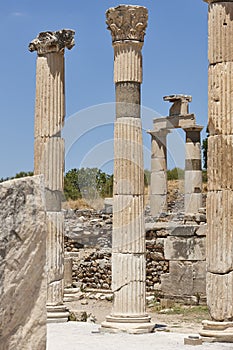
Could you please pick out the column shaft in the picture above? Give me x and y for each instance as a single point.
(49, 155)
(158, 187)
(128, 247)
(220, 183)
(193, 170)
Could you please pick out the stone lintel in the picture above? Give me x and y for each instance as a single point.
(194, 128)
(127, 22)
(180, 104)
(174, 122)
(57, 41)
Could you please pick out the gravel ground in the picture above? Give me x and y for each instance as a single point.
(80, 336)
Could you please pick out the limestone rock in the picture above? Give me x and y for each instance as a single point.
(183, 248)
(22, 263)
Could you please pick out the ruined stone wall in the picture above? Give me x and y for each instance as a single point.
(175, 253)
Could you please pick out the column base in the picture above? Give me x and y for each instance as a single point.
(57, 314)
(217, 331)
(132, 325)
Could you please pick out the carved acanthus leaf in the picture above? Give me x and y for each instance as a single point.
(127, 22)
(57, 41)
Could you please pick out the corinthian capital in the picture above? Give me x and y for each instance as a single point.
(57, 41)
(127, 22)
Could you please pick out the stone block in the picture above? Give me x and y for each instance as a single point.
(185, 278)
(158, 164)
(158, 183)
(182, 248)
(199, 278)
(158, 204)
(220, 99)
(192, 150)
(220, 162)
(220, 28)
(68, 263)
(192, 202)
(220, 295)
(220, 231)
(202, 230)
(183, 230)
(49, 160)
(193, 181)
(22, 264)
(192, 341)
(128, 224)
(128, 162)
(179, 280)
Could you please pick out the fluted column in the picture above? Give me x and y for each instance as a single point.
(158, 184)
(220, 180)
(193, 170)
(127, 25)
(49, 154)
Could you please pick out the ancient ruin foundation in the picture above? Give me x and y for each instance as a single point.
(220, 184)
(127, 25)
(49, 154)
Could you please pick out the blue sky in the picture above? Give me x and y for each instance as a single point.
(174, 61)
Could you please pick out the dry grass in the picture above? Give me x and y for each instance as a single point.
(96, 204)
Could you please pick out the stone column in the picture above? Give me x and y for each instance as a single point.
(193, 170)
(127, 25)
(49, 154)
(158, 186)
(220, 180)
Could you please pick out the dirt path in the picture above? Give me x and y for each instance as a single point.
(179, 319)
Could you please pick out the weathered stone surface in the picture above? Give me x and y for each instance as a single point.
(192, 202)
(55, 257)
(172, 122)
(127, 22)
(220, 294)
(128, 161)
(158, 204)
(184, 279)
(128, 224)
(57, 41)
(50, 85)
(159, 182)
(220, 32)
(220, 231)
(180, 104)
(193, 183)
(128, 98)
(123, 71)
(68, 262)
(220, 162)
(220, 99)
(183, 230)
(22, 264)
(178, 248)
(49, 161)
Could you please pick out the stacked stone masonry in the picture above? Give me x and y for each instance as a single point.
(175, 254)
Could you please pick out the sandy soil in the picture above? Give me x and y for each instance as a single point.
(188, 321)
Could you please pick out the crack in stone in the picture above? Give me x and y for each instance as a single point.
(126, 284)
